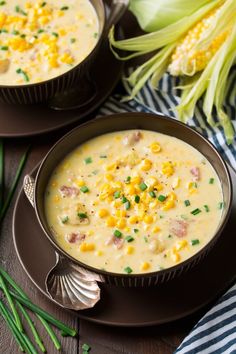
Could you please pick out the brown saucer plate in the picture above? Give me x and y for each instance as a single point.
(133, 307)
(40, 119)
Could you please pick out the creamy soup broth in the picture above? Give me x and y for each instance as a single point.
(40, 40)
(133, 202)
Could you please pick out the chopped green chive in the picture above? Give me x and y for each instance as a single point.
(124, 199)
(64, 8)
(40, 30)
(3, 30)
(195, 184)
(195, 242)
(169, 236)
(20, 11)
(88, 160)
(117, 233)
(129, 239)
(184, 217)
(95, 172)
(82, 215)
(152, 194)
(43, 4)
(136, 231)
(4, 47)
(103, 156)
(2, 3)
(15, 32)
(206, 207)
(20, 71)
(143, 186)
(23, 35)
(161, 216)
(161, 198)
(117, 194)
(95, 35)
(137, 199)
(127, 205)
(73, 40)
(221, 205)
(196, 211)
(211, 181)
(187, 202)
(128, 179)
(55, 34)
(84, 189)
(128, 270)
(145, 239)
(65, 220)
(86, 347)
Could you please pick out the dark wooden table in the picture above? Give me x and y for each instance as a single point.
(103, 339)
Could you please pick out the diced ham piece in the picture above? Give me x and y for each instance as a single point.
(179, 228)
(118, 242)
(195, 171)
(75, 237)
(132, 138)
(69, 191)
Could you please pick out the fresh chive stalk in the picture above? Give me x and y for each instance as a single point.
(14, 185)
(49, 318)
(21, 293)
(37, 337)
(11, 304)
(12, 327)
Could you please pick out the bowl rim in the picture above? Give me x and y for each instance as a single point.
(160, 272)
(58, 77)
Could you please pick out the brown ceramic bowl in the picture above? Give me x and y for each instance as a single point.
(46, 90)
(127, 121)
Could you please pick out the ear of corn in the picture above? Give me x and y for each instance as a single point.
(200, 48)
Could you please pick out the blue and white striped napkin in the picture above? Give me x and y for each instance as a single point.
(216, 331)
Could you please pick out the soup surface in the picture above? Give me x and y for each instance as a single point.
(133, 202)
(43, 39)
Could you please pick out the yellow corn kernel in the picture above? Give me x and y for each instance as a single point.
(111, 221)
(116, 203)
(56, 199)
(90, 232)
(192, 188)
(136, 180)
(3, 18)
(159, 187)
(156, 229)
(121, 223)
(62, 32)
(60, 13)
(120, 213)
(175, 255)
(176, 182)
(127, 229)
(146, 165)
(52, 60)
(133, 219)
(103, 213)
(148, 219)
(66, 58)
(168, 205)
(129, 250)
(44, 20)
(172, 196)
(131, 190)
(79, 182)
(117, 185)
(111, 167)
(109, 177)
(153, 204)
(145, 266)
(167, 168)
(155, 147)
(86, 247)
(99, 253)
(151, 181)
(180, 245)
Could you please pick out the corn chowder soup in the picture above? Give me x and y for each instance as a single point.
(133, 202)
(40, 40)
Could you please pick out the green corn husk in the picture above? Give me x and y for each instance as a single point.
(153, 15)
